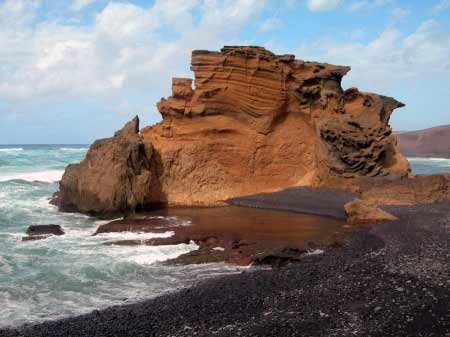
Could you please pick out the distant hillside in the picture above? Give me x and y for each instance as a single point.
(433, 142)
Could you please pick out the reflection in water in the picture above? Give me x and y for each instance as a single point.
(256, 224)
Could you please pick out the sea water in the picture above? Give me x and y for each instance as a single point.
(76, 273)
(429, 165)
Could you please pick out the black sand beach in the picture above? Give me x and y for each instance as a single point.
(392, 279)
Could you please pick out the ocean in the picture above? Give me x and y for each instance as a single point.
(75, 273)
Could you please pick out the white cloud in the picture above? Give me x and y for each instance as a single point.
(14, 13)
(398, 13)
(360, 5)
(122, 20)
(125, 48)
(78, 5)
(270, 24)
(322, 5)
(393, 57)
(357, 34)
(442, 5)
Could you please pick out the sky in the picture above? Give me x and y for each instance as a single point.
(72, 71)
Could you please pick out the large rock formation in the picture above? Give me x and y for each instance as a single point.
(117, 176)
(260, 122)
(433, 142)
(254, 122)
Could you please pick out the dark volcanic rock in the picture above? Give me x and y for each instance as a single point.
(40, 232)
(173, 240)
(45, 230)
(280, 257)
(136, 225)
(115, 177)
(316, 201)
(34, 238)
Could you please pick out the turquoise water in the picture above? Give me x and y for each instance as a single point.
(74, 273)
(429, 165)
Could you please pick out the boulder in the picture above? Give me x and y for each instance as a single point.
(361, 212)
(41, 232)
(156, 225)
(117, 176)
(37, 230)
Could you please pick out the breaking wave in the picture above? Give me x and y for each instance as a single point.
(15, 149)
(49, 176)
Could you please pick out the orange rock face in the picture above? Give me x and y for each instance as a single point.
(256, 122)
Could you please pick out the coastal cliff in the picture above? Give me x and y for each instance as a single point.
(253, 122)
(432, 142)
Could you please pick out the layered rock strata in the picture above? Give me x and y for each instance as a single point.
(262, 122)
(250, 122)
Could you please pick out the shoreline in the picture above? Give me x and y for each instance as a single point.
(391, 279)
(235, 235)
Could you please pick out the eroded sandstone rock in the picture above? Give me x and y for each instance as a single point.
(257, 122)
(250, 122)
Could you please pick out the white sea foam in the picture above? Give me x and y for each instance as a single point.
(14, 149)
(173, 221)
(73, 149)
(103, 222)
(428, 159)
(134, 235)
(162, 253)
(49, 176)
(315, 252)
